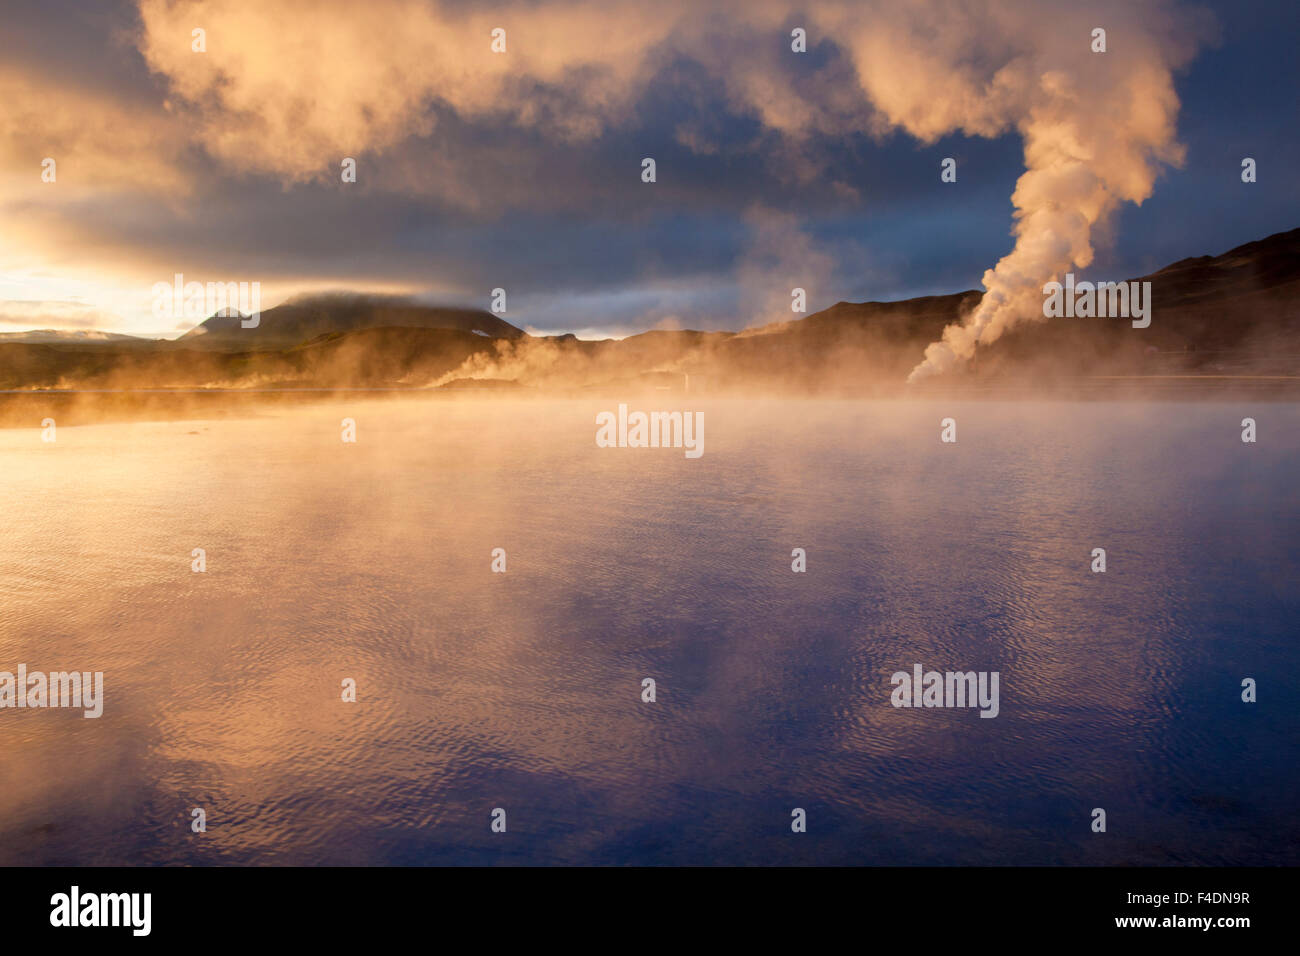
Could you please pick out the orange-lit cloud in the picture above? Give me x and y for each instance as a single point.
(182, 177)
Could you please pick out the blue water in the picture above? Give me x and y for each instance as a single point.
(523, 690)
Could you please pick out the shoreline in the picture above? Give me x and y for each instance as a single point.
(71, 407)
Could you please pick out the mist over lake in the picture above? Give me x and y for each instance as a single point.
(522, 690)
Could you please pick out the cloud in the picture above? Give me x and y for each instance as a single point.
(98, 142)
(54, 315)
(232, 157)
(781, 258)
(290, 88)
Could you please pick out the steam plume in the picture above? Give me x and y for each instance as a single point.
(1097, 127)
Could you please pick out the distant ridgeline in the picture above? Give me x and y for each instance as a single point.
(301, 320)
(1228, 318)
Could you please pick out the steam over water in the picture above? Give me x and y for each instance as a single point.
(522, 690)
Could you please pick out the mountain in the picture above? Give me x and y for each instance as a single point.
(74, 337)
(308, 317)
(1237, 313)
(1217, 321)
(1231, 319)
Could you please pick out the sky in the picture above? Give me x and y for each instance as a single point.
(522, 169)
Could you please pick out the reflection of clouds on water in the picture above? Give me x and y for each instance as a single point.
(522, 689)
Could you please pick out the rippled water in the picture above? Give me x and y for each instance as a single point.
(522, 690)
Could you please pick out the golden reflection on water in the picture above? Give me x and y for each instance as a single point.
(328, 560)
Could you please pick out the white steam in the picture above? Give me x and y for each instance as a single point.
(1097, 127)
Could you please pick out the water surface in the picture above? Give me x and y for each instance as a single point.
(522, 690)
